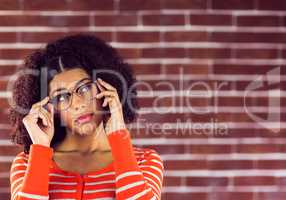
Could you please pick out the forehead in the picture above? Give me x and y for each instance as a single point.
(67, 79)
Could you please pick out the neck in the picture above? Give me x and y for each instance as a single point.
(86, 144)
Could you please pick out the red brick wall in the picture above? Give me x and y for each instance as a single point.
(198, 60)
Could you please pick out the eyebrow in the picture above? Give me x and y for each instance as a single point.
(60, 89)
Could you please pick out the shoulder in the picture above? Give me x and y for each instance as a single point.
(144, 155)
(140, 151)
(20, 158)
(151, 164)
(19, 166)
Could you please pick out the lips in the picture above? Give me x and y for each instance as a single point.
(84, 118)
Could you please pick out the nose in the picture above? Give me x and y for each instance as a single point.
(77, 102)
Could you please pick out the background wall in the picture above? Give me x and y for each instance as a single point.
(211, 52)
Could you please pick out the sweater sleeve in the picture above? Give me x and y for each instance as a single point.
(133, 180)
(29, 176)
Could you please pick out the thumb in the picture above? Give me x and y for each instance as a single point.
(51, 110)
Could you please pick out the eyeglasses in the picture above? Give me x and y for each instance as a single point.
(87, 91)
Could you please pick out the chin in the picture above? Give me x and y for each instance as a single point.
(86, 129)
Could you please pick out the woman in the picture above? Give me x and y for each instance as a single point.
(70, 109)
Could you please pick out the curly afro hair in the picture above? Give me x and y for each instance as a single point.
(81, 50)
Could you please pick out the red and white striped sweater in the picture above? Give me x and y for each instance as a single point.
(135, 173)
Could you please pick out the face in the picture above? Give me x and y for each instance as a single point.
(75, 80)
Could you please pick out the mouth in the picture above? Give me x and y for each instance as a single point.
(84, 118)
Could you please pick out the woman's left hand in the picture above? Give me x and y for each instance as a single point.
(111, 98)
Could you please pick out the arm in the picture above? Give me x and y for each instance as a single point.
(29, 177)
(143, 181)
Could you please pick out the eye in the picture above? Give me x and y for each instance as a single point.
(62, 97)
(84, 88)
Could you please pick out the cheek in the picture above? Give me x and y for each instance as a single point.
(95, 106)
(65, 118)
(97, 109)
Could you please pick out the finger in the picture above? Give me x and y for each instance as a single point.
(38, 112)
(48, 116)
(40, 105)
(44, 119)
(105, 93)
(36, 109)
(101, 88)
(42, 102)
(51, 110)
(50, 107)
(106, 85)
(106, 101)
(36, 115)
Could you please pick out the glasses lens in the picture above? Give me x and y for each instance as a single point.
(87, 91)
(61, 101)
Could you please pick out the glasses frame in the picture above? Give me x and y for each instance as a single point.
(71, 91)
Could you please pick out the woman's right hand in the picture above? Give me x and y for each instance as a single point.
(41, 132)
